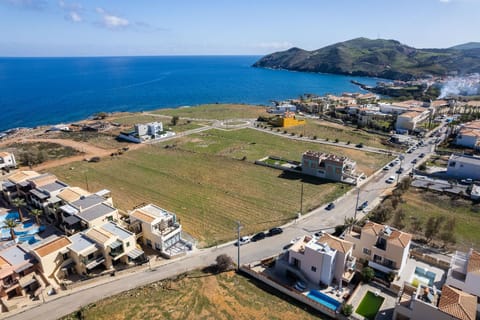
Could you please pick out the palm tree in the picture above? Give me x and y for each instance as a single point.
(10, 224)
(19, 203)
(36, 213)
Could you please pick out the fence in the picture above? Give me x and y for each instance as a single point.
(442, 264)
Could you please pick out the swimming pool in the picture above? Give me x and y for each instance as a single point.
(323, 299)
(30, 239)
(10, 215)
(424, 276)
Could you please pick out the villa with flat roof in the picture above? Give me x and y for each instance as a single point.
(386, 249)
(329, 166)
(159, 229)
(323, 261)
(463, 167)
(464, 272)
(17, 185)
(87, 212)
(145, 132)
(85, 253)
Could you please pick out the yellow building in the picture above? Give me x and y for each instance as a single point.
(287, 120)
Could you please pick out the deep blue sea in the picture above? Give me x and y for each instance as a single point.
(39, 91)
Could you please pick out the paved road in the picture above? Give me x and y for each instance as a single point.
(319, 219)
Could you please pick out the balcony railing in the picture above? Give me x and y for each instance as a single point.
(116, 253)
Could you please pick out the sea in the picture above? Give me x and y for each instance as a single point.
(43, 91)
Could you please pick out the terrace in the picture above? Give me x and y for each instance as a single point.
(417, 273)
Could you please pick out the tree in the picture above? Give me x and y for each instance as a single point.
(347, 309)
(399, 218)
(36, 213)
(349, 222)
(367, 274)
(224, 263)
(432, 227)
(174, 120)
(19, 203)
(448, 232)
(10, 224)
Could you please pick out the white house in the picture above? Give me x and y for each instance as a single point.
(409, 120)
(325, 260)
(469, 135)
(7, 160)
(159, 229)
(145, 132)
(464, 167)
(464, 272)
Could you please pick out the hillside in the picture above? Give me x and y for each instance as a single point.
(376, 58)
(467, 46)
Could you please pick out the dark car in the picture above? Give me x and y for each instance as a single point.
(258, 236)
(363, 206)
(421, 155)
(414, 161)
(330, 206)
(360, 145)
(400, 170)
(274, 231)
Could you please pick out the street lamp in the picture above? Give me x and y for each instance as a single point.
(239, 227)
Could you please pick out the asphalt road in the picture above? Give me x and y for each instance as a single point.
(318, 219)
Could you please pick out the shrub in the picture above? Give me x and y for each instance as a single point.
(224, 263)
(314, 137)
(336, 140)
(348, 142)
(347, 309)
(367, 274)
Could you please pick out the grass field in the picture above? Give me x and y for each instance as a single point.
(99, 139)
(204, 181)
(369, 305)
(134, 118)
(217, 111)
(332, 131)
(37, 152)
(197, 296)
(424, 204)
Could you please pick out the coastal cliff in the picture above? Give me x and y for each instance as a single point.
(387, 59)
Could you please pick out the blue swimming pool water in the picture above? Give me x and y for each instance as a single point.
(423, 274)
(30, 239)
(321, 298)
(10, 215)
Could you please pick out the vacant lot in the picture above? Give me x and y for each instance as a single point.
(205, 181)
(197, 296)
(32, 153)
(217, 111)
(129, 120)
(424, 204)
(105, 140)
(324, 129)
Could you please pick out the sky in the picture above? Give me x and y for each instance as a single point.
(225, 27)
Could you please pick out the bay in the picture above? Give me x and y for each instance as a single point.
(40, 91)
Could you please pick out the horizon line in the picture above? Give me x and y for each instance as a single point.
(133, 56)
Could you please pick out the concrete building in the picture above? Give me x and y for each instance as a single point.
(324, 261)
(329, 166)
(159, 229)
(386, 249)
(464, 272)
(288, 119)
(66, 196)
(18, 185)
(409, 120)
(469, 135)
(429, 303)
(43, 196)
(463, 167)
(87, 212)
(7, 160)
(282, 108)
(146, 132)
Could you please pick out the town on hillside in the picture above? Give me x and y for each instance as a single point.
(374, 220)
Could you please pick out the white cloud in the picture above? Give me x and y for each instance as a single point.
(75, 17)
(445, 1)
(26, 4)
(113, 22)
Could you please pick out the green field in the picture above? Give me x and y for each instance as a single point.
(216, 111)
(197, 296)
(31, 153)
(323, 130)
(369, 305)
(424, 204)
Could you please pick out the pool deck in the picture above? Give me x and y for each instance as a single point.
(408, 271)
(386, 309)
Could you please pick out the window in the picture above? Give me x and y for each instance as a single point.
(367, 251)
(65, 256)
(314, 269)
(377, 259)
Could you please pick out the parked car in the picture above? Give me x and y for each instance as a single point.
(386, 168)
(243, 240)
(258, 236)
(330, 206)
(360, 145)
(414, 161)
(466, 181)
(274, 231)
(400, 170)
(300, 286)
(421, 155)
(390, 179)
(363, 205)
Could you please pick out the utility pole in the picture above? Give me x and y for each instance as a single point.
(356, 206)
(239, 227)
(301, 201)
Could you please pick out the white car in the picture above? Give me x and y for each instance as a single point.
(390, 179)
(300, 286)
(243, 240)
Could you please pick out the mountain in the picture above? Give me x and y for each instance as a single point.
(467, 46)
(388, 59)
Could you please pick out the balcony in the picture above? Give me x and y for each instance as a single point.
(116, 249)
